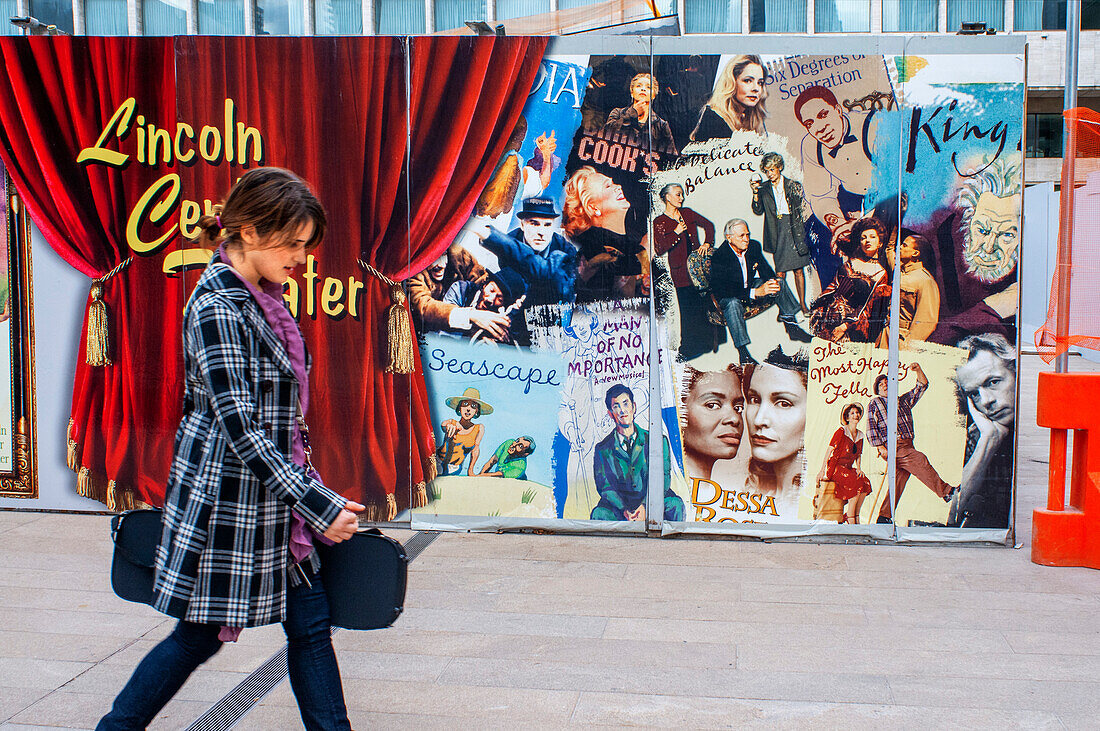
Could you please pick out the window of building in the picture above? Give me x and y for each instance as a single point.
(164, 17)
(338, 17)
(990, 12)
(399, 17)
(712, 16)
(454, 13)
(1051, 15)
(53, 12)
(842, 16)
(221, 17)
(1044, 135)
(777, 16)
(105, 18)
(519, 8)
(910, 16)
(9, 9)
(280, 17)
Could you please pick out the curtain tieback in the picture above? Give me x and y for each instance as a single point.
(399, 331)
(96, 347)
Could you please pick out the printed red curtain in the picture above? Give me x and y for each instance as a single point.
(334, 111)
(65, 102)
(466, 96)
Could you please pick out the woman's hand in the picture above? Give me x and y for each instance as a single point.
(346, 523)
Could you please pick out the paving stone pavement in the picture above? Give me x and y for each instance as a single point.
(551, 631)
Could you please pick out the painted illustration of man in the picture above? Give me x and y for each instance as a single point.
(779, 200)
(988, 382)
(621, 465)
(510, 459)
(837, 168)
(636, 123)
(745, 286)
(990, 205)
(501, 293)
(545, 260)
(427, 291)
(920, 294)
(908, 459)
(578, 414)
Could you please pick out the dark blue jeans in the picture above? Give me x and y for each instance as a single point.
(314, 674)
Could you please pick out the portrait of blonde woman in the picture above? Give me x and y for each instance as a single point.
(737, 102)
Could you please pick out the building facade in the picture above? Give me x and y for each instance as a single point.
(1043, 21)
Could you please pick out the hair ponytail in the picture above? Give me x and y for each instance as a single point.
(210, 229)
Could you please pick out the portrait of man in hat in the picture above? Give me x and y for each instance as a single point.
(461, 436)
(502, 292)
(545, 260)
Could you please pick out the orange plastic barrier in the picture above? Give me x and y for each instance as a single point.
(1069, 534)
(1079, 242)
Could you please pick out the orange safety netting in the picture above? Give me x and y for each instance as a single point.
(1082, 235)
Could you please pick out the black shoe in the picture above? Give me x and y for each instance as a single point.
(882, 519)
(745, 356)
(797, 334)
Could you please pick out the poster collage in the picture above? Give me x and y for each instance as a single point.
(756, 232)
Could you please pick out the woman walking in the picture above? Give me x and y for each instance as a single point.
(243, 504)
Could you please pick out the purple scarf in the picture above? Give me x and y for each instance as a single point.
(269, 296)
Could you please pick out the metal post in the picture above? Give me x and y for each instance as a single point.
(1069, 152)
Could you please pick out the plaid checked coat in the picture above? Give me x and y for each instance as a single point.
(225, 543)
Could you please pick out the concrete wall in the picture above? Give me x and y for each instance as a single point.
(1046, 59)
(59, 295)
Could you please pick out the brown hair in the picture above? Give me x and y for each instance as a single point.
(870, 223)
(274, 201)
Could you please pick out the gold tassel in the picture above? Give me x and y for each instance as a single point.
(391, 507)
(432, 470)
(84, 483)
(374, 513)
(400, 334)
(420, 496)
(71, 447)
(95, 351)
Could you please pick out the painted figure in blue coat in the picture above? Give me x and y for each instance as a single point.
(621, 465)
(542, 256)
